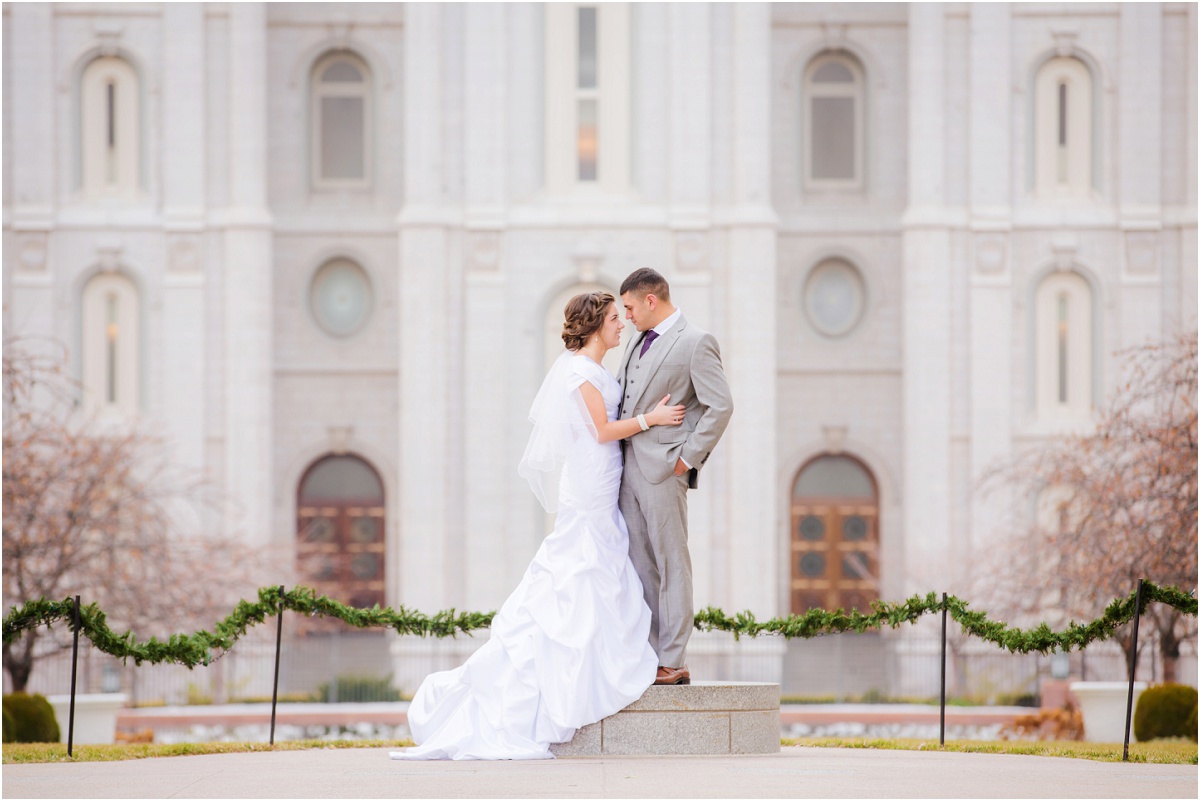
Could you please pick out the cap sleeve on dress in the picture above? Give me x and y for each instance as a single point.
(584, 369)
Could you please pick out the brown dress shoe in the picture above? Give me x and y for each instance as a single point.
(668, 675)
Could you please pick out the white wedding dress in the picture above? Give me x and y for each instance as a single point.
(570, 645)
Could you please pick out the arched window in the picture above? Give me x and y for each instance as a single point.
(340, 542)
(341, 122)
(833, 113)
(109, 128)
(835, 536)
(110, 347)
(587, 106)
(1063, 128)
(1063, 346)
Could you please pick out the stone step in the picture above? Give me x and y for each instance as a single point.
(704, 717)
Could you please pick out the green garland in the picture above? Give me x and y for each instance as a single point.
(199, 648)
(1041, 638)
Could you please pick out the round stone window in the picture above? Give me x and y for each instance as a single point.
(341, 298)
(834, 297)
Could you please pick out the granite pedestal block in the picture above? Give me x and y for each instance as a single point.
(697, 718)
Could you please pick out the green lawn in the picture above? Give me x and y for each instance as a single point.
(17, 753)
(1172, 752)
(1166, 752)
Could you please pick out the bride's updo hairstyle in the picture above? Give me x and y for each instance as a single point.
(585, 316)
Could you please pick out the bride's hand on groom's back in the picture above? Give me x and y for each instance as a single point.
(664, 415)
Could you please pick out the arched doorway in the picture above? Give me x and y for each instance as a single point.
(834, 536)
(340, 542)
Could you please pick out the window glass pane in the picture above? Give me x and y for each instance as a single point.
(834, 477)
(1062, 348)
(587, 48)
(341, 298)
(342, 137)
(341, 478)
(587, 140)
(833, 138)
(834, 298)
(833, 72)
(342, 72)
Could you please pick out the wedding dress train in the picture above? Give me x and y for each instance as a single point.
(569, 646)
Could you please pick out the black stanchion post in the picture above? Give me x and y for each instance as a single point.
(1137, 616)
(942, 739)
(278, 641)
(74, 674)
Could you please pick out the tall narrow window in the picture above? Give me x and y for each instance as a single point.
(1062, 134)
(587, 82)
(112, 133)
(833, 122)
(110, 346)
(1063, 128)
(587, 94)
(1063, 347)
(112, 330)
(341, 122)
(109, 128)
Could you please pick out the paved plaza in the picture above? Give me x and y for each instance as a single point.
(793, 773)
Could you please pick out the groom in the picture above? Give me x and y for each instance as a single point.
(671, 356)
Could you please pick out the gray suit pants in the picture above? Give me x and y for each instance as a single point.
(656, 515)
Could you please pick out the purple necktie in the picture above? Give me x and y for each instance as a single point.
(651, 335)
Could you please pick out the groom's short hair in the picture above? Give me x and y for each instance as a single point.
(645, 282)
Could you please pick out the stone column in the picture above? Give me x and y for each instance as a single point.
(425, 426)
(248, 296)
(650, 126)
(525, 65)
(690, 154)
(748, 349)
(1139, 171)
(28, 266)
(32, 104)
(486, 313)
(184, 210)
(991, 316)
(926, 332)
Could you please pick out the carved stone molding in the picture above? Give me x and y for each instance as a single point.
(1064, 247)
(587, 257)
(183, 253)
(483, 248)
(339, 439)
(31, 253)
(833, 35)
(1064, 42)
(1141, 252)
(108, 256)
(991, 253)
(835, 438)
(691, 251)
(108, 36)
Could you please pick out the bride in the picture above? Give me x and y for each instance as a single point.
(570, 645)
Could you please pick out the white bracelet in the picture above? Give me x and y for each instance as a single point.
(641, 418)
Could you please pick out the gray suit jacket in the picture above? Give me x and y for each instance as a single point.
(685, 362)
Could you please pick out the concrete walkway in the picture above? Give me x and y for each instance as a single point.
(792, 773)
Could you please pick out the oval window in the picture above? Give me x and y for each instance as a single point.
(341, 298)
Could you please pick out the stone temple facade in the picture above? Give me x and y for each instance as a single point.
(325, 248)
